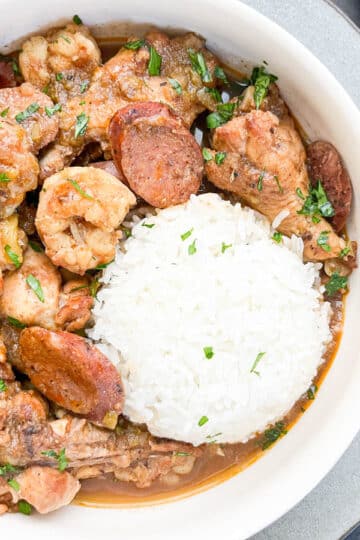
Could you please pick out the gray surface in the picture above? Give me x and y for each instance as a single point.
(334, 506)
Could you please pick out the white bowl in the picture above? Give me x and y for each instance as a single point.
(254, 498)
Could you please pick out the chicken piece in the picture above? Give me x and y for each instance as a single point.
(47, 489)
(78, 212)
(19, 168)
(75, 305)
(73, 374)
(123, 79)
(32, 300)
(265, 167)
(13, 241)
(62, 62)
(33, 110)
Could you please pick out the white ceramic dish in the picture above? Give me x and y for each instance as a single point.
(251, 500)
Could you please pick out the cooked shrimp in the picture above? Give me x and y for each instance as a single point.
(22, 302)
(13, 241)
(33, 110)
(19, 168)
(78, 212)
(62, 62)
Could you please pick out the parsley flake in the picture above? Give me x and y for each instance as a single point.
(59, 76)
(344, 252)
(29, 111)
(300, 194)
(257, 360)
(14, 484)
(192, 248)
(220, 157)
(155, 60)
(261, 80)
(36, 246)
(336, 283)
(60, 458)
(322, 241)
(199, 65)
(81, 125)
(209, 353)
(203, 421)
(4, 112)
(25, 508)
(186, 234)
(277, 237)
(35, 285)
(312, 391)
(176, 86)
(271, 435)
(207, 155)
(8, 469)
(16, 323)
(3, 387)
(79, 190)
(224, 247)
(84, 86)
(219, 73)
(223, 113)
(214, 92)
(148, 225)
(317, 204)
(260, 182)
(104, 265)
(134, 45)
(280, 188)
(14, 257)
(50, 111)
(4, 179)
(76, 19)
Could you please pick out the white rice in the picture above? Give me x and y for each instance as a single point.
(161, 306)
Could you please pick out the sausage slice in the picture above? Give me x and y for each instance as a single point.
(7, 77)
(325, 164)
(72, 373)
(155, 152)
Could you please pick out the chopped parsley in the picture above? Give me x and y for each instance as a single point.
(271, 435)
(59, 76)
(50, 111)
(3, 387)
(81, 125)
(15, 322)
(261, 80)
(199, 65)
(176, 86)
(260, 182)
(60, 458)
(8, 469)
(14, 484)
(102, 266)
(35, 285)
(209, 353)
(25, 508)
(223, 113)
(46, 89)
(14, 258)
(214, 92)
(155, 60)
(220, 74)
(148, 225)
(80, 190)
(182, 454)
(277, 237)
(224, 247)
(29, 111)
(280, 188)
(344, 252)
(84, 86)
(192, 248)
(207, 155)
(257, 360)
(134, 45)
(317, 204)
(322, 241)
(65, 38)
(4, 179)
(312, 391)
(220, 157)
(36, 246)
(126, 231)
(94, 287)
(4, 112)
(76, 19)
(300, 194)
(186, 234)
(203, 421)
(336, 283)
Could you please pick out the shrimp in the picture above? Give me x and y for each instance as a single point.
(32, 305)
(13, 241)
(34, 111)
(62, 62)
(78, 212)
(19, 168)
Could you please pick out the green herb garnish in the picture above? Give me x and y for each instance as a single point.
(176, 85)
(186, 234)
(46, 89)
(15, 322)
(224, 113)
(209, 353)
(50, 111)
(126, 231)
(134, 45)
(60, 458)
(220, 74)
(14, 484)
(8, 469)
(312, 391)
(214, 92)
(29, 111)
(148, 225)
(317, 204)
(220, 157)
(192, 248)
(207, 155)
(12, 256)
(102, 266)
(182, 454)
(36, 246)
(4, 179)
(224, 247)
(155, 60)
(322, 241)
(261, 80)
(35, 285)
(94, 287)
(76, 19)
(336, 283)
(344, 252)
(25, 508)
(4, 112)
(260, 182)
(79, 190)
(199, 65)
(280, 188)
(81, 125)
(84, 86)
(299, 193)
(203, 421)
(3, 387)
(271, 435)
(257, 360)
(277, 236)
(59, 76)
(65, 38)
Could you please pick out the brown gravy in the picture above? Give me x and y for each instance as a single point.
(212, 468)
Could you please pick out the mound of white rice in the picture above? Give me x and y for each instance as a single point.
(185, 316)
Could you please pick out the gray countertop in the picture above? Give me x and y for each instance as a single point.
(333, 506)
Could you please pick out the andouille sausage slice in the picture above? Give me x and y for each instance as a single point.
(325, 164)
(156, 153)
(73, 374)
(7, 77)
